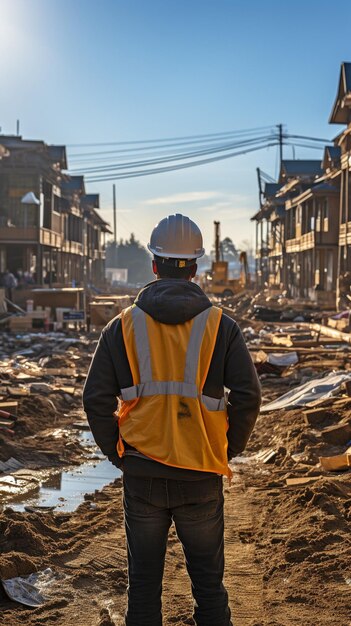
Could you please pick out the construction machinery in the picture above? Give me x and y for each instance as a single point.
(217, 281)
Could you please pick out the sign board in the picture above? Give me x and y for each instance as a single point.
(116, 274)
(73, 316)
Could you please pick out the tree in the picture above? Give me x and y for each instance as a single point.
(132, 255)
(228, 251)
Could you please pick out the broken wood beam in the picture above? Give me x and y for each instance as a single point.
(314, 416)
(9, 406)
(337, 462)
(338, 435)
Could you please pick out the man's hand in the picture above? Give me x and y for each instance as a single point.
(116, 460)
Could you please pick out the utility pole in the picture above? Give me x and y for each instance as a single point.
(280, 129)
(258, 260)
(114, 215)
(259, 186)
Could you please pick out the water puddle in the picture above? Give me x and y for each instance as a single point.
(64, 491)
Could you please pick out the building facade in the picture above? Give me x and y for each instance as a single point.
(303, 227)
(50, 229)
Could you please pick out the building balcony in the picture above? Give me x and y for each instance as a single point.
(72, 247)
(30, 235)
(307, 241)
(14, 234)
(49, 238)
(344, 234)
(276, 250)
(293, 245)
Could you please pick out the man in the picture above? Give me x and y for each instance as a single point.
(10, 283)
(168, 358)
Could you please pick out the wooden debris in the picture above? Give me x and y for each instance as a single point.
(6, 423)
(81, 425)
(10, 406)
(66, 389)
(61, 371)
(300, 482)
(337, 462)
(18, 392)
(314, 416)
(337, 435)
(265, 456)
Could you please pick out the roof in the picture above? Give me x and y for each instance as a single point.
(263, 213)
(105, 227)
(55, 154)
(14, 142)
(325, 187)
(270, 189)
(257, 216)
(321, 189)
(340, 113)
(58, 155)
(73, 184)
(300, 168)
(90, 201)
(332, 155)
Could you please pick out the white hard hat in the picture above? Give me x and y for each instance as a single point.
(176, 237)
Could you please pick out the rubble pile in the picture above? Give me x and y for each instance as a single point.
(267, 307)
(41, 378)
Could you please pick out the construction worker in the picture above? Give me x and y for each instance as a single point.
(168, 359)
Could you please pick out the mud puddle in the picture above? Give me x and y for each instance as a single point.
(65, 490)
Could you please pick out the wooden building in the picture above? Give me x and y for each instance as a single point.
(50, 231)
(341, 114)
(283, 218)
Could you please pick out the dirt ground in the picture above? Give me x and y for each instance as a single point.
(288, 549)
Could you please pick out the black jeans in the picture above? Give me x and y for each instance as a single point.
(196, 507)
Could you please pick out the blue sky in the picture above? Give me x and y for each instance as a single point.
(79, 71)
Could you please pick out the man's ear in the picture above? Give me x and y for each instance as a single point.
(193, 271)
(154, 267)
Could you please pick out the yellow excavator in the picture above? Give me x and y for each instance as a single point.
(216, 281)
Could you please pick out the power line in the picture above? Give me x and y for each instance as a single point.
(135, 174)
(153, 156)
(186, 137)
(176, 144)
(288, 136)
(170, 158)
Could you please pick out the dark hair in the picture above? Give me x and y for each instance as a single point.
(171, 271)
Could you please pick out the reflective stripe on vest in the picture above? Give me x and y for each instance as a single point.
(147, 386)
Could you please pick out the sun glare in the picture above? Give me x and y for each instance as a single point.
(15, 25)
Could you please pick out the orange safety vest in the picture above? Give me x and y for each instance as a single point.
(165, 415)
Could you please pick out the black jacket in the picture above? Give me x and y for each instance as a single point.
(171, 301)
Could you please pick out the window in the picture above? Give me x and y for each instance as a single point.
(13, 186)
(325, 215)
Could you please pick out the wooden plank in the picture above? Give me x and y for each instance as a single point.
(299, 482)
(314, 416)
(335, 463)
(10, 406)
(61, 371)
(7, 423)
(331, 332)
(18, 392)
(340, 434)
